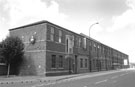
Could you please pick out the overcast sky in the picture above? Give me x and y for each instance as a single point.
(116, 18)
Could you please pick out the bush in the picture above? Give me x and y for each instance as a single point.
(12, 49)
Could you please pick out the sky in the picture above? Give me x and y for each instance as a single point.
(116, 19)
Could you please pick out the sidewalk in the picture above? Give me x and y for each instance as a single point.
(31, 79)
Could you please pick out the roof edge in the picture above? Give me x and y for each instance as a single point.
(30, 24)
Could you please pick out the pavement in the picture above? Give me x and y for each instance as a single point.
(49, 79)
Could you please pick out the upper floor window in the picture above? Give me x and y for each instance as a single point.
(84, 43)
(79, 42)
(69, 44)
(76, 41)
(90, 42)
(60, 36)
(94, 45)
(52, 34)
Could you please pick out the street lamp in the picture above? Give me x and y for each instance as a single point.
(91, 27)
(89, 43)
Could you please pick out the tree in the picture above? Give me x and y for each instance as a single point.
(12, 49)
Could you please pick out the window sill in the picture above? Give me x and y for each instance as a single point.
(84, 68)
(2, 63)
(53, 68)
(60, 68)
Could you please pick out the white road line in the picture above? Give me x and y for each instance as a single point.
(59, 82)
(101, 81)
(64, 81)
(53, 83)
(114, 77)
(39, 85)
(114, 81)
(122, 74)
(84, 86)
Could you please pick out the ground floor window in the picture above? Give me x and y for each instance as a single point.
(60, 61)
(53, 61)
(81, 63)
(86, 63)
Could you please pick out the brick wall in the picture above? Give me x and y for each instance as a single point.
(34, 60)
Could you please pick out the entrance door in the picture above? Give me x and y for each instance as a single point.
(75, 64)
(90, 65)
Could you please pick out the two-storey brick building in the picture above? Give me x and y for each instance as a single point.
(54, 50)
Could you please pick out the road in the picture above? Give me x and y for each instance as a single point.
(122, 78)
(119, 79)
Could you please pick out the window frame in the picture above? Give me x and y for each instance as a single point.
(60, 36)
(81, 62)
(60, 61)
(86, 63)
(53, 61)
(52, 33)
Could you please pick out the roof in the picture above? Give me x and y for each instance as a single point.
(31, 24)
(41, 22)
(45, 21)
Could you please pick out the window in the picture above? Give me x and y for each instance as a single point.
(98, 47)
(76, 42)
(86, 63)
(84, 43)
(79, 42)
(67, 45)
(52, 34)
(90, 42)
(60, 61)
(53, 61)
(94, 45)
(81, 63)
(60, 36)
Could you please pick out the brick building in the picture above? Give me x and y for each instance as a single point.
(54, 50)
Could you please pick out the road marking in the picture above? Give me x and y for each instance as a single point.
(126, 73)
(101, 81)
(53, 83)
(64, 81)
(68, 80)
(114, 81)
(39, 85)
(59, 82)
(114, 77)
(122, 74)
(84, 86)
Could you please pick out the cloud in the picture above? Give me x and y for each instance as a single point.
(122, 31)
(15, 13)
(26, 11)
(113, 7)
(123, 21)
(3, 30)
(104, 7)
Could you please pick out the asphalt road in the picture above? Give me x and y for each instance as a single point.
(122, 78)
(118, 79)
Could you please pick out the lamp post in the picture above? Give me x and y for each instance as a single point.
(89, 43)
(91, 27)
